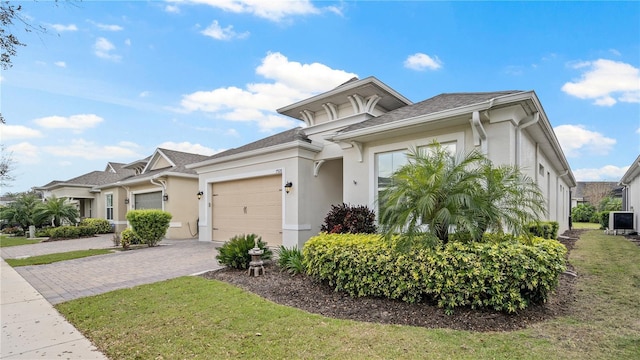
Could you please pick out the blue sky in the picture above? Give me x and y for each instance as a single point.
(112, 81)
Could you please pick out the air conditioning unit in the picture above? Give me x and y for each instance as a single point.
(621, 220)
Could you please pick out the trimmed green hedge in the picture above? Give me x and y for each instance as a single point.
(149, 225)
(503, 275)
(102, 226)
(70, 232)
(545, 229)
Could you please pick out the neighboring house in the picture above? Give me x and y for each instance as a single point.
(160, 181)
(630, 183)
(81, 190)
(592, 192)
(356, 135)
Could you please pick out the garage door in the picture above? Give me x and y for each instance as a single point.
(248, 206)
(148, 201)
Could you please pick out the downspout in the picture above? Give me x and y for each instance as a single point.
(479, 134)
(162, 184)
(535, 117)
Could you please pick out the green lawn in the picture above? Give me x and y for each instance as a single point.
(583, 225)
(15, 241)
(191, 317)
(51, 258)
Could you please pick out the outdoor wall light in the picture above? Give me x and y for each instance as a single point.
(165, 197)
(200, 193)
(126, 201)
(288, 186)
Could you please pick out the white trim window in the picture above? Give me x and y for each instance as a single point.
(109, 206)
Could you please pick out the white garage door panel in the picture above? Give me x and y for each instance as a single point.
(248, 206)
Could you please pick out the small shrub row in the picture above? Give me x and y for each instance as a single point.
(13, 230)
(502, 275)
(70, 232)
(545, 229)
(235, 252)
(101, 226)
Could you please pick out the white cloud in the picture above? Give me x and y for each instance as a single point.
(63, 28)
(172, 9)
(420, 62)
(144, 94)
(104, 48)
(575, 141)
(61, 64)
(188, 147)
(81, 148)
(217, 32)
(107, 27)
(15, 132)
(638, 131)
(293, 81)
(127, 42)
(607, 82)
(271, 10)
(24, 153)
(65, 163)
(605, 173)
(75, 122)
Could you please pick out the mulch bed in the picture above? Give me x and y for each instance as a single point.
(304, 293)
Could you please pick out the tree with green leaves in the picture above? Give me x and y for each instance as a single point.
(437, 192)
(56, 211)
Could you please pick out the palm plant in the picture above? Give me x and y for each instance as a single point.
(434, 191)
(510, 200)
(437, 191)
(57, 210)
(21, 211)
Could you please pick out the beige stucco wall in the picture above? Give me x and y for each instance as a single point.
(183, 206)
(295, 165)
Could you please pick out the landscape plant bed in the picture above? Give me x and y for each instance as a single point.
(305, 293)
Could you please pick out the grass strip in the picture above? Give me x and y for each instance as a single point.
(6, 241)
(191, 317)
(51, 258)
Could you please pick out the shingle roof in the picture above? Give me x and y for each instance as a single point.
(99, 177)
(180, 159)
(277, 139)
(432, 105)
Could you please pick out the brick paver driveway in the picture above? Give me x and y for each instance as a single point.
(68, 280)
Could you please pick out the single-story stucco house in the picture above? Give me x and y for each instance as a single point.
(81, 189)
(281, 187)
(160, 181)
(630, 183)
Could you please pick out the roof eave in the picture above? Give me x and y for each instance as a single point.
(343, 88)
(271, 149)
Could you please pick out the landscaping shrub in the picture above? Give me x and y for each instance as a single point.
(290, 260)
(149, 225)
(129, 237)
(70, 232)
(545, 229)
(505, 275)
(43, 232)
(13, 230)
(602, 218)
(101, 226)
(235, 252)
(349, 219)
(582, 213)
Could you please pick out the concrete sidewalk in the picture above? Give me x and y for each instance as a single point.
(32, 328)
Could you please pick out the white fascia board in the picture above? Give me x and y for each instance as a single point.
(412, 121)
(632, 173)
(553, 140)
(252, 153)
